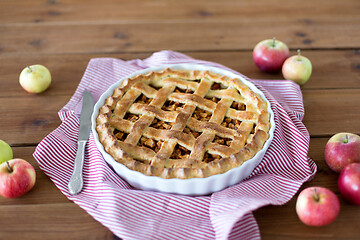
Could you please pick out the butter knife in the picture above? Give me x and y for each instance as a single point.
(76, 180)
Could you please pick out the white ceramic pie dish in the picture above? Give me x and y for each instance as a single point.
(193, 186)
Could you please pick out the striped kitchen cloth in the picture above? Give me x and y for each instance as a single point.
(135, 214)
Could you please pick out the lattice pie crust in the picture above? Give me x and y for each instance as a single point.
(183, 124)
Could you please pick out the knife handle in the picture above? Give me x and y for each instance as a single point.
(76, 180)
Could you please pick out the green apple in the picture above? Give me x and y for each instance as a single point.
(297, 68)
(35, 78)
(6, 152)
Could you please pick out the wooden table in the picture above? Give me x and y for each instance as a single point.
(65, 34)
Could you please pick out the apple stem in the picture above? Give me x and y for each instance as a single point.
(29, 68)
(8, 166)
(346, 140)
(274, 38)
(299, 52)
(316, 195)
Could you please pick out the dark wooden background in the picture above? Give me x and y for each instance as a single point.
(65, 34)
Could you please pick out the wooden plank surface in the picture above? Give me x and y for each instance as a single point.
(65, 27)
(28, 124)
(53, 221)
(332, 69)
(180, 36)
(65, 34)
(40, 11)
(320, 117)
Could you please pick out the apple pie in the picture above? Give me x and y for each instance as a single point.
(183, 123)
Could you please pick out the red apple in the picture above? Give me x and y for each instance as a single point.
(297, 68)
(341, 150)
(349, 183)
(317, 206)
(17, 177)
(270, 54)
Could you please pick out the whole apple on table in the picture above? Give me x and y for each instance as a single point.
(17, 177)
(297, 68)
(270, 54)
(349, 183)
(341, 150)
(317, 206)
(35, 78)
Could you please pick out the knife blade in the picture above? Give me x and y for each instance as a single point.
(76, 180)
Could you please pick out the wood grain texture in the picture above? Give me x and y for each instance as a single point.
(180, 36)
(331, 111)
(29, 124)
(65, 34)
(50, 221)
(331, 68)
(73, 12)
(320, 117)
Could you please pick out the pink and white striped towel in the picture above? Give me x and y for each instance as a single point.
(135, 214)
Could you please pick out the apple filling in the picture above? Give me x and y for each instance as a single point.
(131, 117)
(180, 152)
(190, 131)
(231, 123)
(211, 157)
(201, 114)
(121, 136)
(143, 99)
(172, 106)
(217, 86)
(150, 143)
(222, 141)
(158, 124)
(180, 90)
(214, 99)
(238, 106)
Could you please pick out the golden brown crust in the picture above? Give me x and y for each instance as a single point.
(183, 124)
